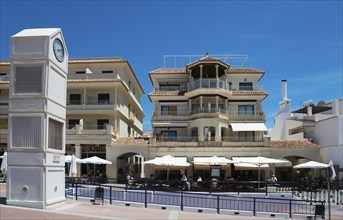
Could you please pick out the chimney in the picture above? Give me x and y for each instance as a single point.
(284, 89)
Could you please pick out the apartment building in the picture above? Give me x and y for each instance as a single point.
(320, 123)
(209, 108)
(103, 105)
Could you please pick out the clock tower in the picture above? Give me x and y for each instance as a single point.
(37, 111)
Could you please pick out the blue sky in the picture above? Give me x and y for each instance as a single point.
(300, 41)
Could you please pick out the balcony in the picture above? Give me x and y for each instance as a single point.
(90, 132)
(87, 76)
(208, 113)
(95, 106)
(219, 84)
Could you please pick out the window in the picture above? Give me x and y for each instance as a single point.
(72, 123)
(245, 86)
(107, 71)
(80, 72)
(28, 79)
(171, 87)
(103, 98)
(245, 136)
(245, 110)
(75, 99)
(102, 123)
(169, 135)
(55, 134)
(168, 110)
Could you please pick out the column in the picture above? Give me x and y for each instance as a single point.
(201, 134)
(190, 106)
(217, 100)
(201, 103)
(201, 66)
(111, 170)
(226, 101)
(78, 152)
(116, 96)
(142, 166)
(218, 134)
(217, 66)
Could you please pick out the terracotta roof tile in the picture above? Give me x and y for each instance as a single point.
(248, 93)
(169, 71)
(244, 70)
(293, 144)
(130, 141)
(93, 80)
(165, 93)
(208, 58)
(96, 60)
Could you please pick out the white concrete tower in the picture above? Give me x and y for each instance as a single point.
(37, 111)
(285, 103)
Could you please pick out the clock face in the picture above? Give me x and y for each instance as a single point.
(58, 50)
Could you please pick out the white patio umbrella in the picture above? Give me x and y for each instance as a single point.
(212, 160)
(259, 161)
(168, 161)
(73, 168)
(311, 165)
(3, 167)
(95, 160)
(67, 158)
(250, 166)
(318, 165)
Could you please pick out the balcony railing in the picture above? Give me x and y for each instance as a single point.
(218, 84)
(231, 114)
(255, 138)
(90, 102)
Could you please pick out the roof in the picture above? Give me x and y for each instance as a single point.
(169, 71)
(96, 60)
(315, 109)
(37, 32)
(248, 93)
(183, 71)
(165, 93)
(93, 80)
(244, 70)
(208, 58)
(131, 141)
(293, 144)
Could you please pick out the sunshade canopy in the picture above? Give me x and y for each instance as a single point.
(311, 164)
(257, 160)
(95, 160)
(211, 161)
(250, 166)
(169, 160)
(68, 158)
(248, 127)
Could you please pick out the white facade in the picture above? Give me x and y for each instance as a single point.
(321, 124)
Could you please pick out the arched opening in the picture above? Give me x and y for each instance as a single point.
(130, 164)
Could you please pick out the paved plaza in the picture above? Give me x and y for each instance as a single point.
(71, 209)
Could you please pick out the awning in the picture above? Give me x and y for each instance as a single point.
(248, 127)
(170, 124)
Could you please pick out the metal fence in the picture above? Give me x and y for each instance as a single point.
(218, 200)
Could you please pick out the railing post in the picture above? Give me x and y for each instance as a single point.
(111, 195)
(145, 197)
(218, 203)
(254, 211)
(76, 191)
(181, 200)
(267, 185)
(290, 208)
